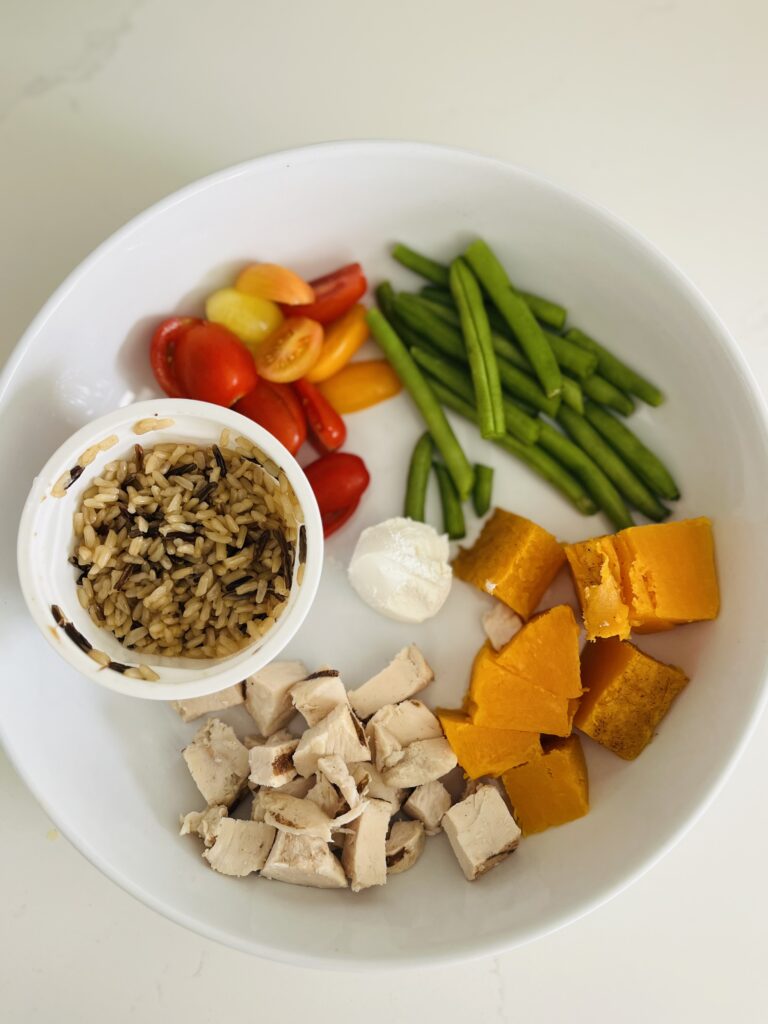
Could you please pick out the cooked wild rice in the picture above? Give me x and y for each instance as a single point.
(185, 551)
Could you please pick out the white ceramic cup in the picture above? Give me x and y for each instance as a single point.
(46, 536)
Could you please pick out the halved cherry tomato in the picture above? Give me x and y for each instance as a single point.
(278, 410)
(342, 339)
(270, 281)
(163, 349)
(338, 481)
(334, 294)
(361, 385)
(328, 429)
(290, 351)
(251, 318)
(212, 365)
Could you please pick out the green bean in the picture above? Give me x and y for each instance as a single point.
(385, 297)
(603, 392)
(532, 455)
(447, 313)
(453, 376)
(594, 479)
(416, 316)
(572, 396)
(571, 357)
(546, 311)
(418, 477)
(434, 293)
(517, 315)
(453, 515)
(483, 489)
(616, 371)
(431, 410)
(633, 489)
(477, 341)
(645, 463)
(517, 383)
(422, 265)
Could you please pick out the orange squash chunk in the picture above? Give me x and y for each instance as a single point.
(532, 683)
(550, 789)
(628, 694)
(481, 751)
(513, 559)
(646, 578)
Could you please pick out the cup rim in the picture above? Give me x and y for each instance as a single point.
(203, 677)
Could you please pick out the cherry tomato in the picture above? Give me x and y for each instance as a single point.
(334, 294)
(162, 351)
(342, 339)
(290, 351)
(251, 318)
(269, 281)
(212, 365)
(361, 385)
(278, 410)
(328, 429)
(338, 480)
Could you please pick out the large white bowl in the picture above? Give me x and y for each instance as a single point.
(108, 769)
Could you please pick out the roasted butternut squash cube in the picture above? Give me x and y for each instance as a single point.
(646, 578)
(533, 683)
(482, 751)
(550, 789)
(513, 559)
(627, 694)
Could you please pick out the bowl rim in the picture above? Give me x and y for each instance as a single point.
(203, 677)
(322, 150)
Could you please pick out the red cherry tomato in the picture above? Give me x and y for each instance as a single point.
(334, 294)
(162, 351)
(338, 480)
(328, 429)
(213, 365)
(278, 410)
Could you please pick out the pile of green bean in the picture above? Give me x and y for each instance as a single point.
(545, 393)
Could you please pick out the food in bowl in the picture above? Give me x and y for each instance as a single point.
(189, 551)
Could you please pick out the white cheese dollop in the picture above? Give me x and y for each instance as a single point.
(400, 568)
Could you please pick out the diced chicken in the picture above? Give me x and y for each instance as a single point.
(218, 762)
(405, 675)
(318, 694)
(337, 773)
(268, 694)
(481, 831)
(428, 804)
(271, 763)
(471, 786)
(325, 795)
(404, 846)
(252, 741)
(296, 787)
(386, 749)
(371, 784)
(241, 847)
(408, 721)
(302, 860)
(195, 707)
(422, 761)
(500, 624)
(338, 733)
(204, 824)
(294, 815)
(364, 853)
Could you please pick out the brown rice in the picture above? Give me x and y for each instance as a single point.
(185, 551)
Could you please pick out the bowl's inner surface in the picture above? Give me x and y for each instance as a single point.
(119, 782)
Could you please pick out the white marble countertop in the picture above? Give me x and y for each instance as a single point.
(655, 108)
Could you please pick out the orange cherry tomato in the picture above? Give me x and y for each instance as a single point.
(342, 339)
(290, 351)
(360, 385)
(278, 284)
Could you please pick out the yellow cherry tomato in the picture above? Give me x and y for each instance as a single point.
(342, 339)
(270, 281)
(360, 385)
(249, 317)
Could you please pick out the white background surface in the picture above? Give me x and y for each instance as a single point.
(654, 108)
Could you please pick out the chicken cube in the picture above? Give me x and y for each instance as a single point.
(500, 624)
(271, 763)
(404, 846)
(408, 721)
(294, 815)
(404, 676)
(241, 847)
(364, 854)
(428, 804)
(268, 694)
(318, 694)
(422, 761)
(218, 762)
(196, 707)
(371, 784)
(481, 831)
(204, 824)
(304, 860)
(338, 733)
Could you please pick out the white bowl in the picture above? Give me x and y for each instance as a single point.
(45, 544)
(108, 769)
